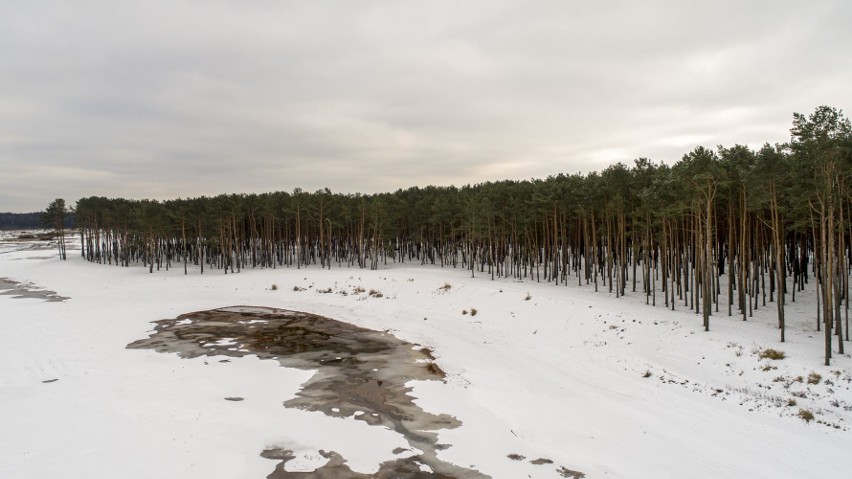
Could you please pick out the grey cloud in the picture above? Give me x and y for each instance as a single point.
(180, 98)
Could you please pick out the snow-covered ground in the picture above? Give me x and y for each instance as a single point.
(610, 387)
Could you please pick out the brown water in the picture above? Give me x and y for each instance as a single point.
(357, 370)
(15, 289)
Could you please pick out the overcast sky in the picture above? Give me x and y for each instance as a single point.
(177, 98)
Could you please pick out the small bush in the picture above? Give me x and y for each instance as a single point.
(325, 291)
(376, 293)
(298, 288)
(806, 415)
(814, 378)
(791, 402)
(473, 311)
(768, 367)
(357, 290)
(464, 312)
(274, 287)
(772, 354)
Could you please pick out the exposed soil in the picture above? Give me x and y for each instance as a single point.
(360, 373)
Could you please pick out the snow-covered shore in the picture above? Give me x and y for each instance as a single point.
(610, 387)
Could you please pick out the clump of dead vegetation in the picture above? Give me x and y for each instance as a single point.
(772, 354)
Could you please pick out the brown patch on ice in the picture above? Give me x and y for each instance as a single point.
(336, 468)
(565, 472)
(360, 373)
(9, 287)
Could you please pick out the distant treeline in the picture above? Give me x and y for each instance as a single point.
(771, 220)
(29, 221)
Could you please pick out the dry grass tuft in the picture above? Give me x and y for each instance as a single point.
(772, 354)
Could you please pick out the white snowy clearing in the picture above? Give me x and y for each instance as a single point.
(609, 387)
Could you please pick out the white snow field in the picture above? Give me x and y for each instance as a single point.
(560, 376)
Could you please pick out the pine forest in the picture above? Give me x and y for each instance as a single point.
(723, 231)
